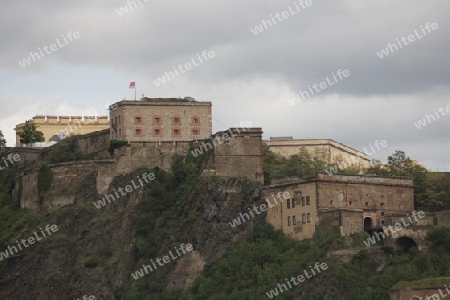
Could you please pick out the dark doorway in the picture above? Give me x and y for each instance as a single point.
(368, 224)
(404, 244)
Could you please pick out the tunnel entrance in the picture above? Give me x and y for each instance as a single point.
(405, 244)
(368, 225)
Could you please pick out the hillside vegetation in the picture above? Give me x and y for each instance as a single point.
(96, 250)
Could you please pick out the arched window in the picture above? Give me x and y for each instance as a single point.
(55, 138)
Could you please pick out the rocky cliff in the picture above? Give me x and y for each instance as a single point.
(95, 250)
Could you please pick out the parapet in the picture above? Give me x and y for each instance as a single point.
(366, 179)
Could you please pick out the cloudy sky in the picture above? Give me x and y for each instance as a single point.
(251, 77)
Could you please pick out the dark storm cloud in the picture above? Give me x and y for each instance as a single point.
(304, 49)
(253, 76)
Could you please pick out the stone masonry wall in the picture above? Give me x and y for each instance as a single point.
(94, 142)
(349, 221)
(420, 293)
(151, 154)
(67, 179)
(352, 222)
(136, 121)
(239, 155)
(443, 218)
(28, 156)
(373, 195)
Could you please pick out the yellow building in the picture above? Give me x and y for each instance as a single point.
(57, 127)
(296, 214)
(333, 151)
(354, 203)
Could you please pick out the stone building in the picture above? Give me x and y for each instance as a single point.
(237, 152)
(353, 202)
(55, 128)
(160, 119)
(296, 216)
(333, 151)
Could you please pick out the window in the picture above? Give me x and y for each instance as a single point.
(331, 202)
(138, 131)
(297, 196)
(350, 202)
(294, 221)
(195, 120)
(303, 218)
(157, 120)
(288, 203)
(309, 218)
(176, 120)
(157, 132)
(382, 204)
(195, 132)
(382, 213)
(293, 203)
(308, 200)
(137, 120)
(176, 132)
(303, 201)
(289, 221)
(119, 120)
(367, 203)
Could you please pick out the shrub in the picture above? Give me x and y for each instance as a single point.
(116, 144)
(91, 262)
(65, 151)
(44, 182)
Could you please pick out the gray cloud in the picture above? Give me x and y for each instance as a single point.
(253, 76)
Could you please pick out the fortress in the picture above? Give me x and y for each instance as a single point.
(155, 129)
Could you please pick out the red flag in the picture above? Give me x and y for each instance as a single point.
(132, 85)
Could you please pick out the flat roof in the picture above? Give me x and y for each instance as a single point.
(289, 142)
(162, 102)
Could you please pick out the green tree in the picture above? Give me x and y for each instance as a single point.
(400, 165)
(29, 134)
(273, 163)
(2, 141)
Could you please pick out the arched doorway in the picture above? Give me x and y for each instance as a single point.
(368, 224)
(405, 243)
